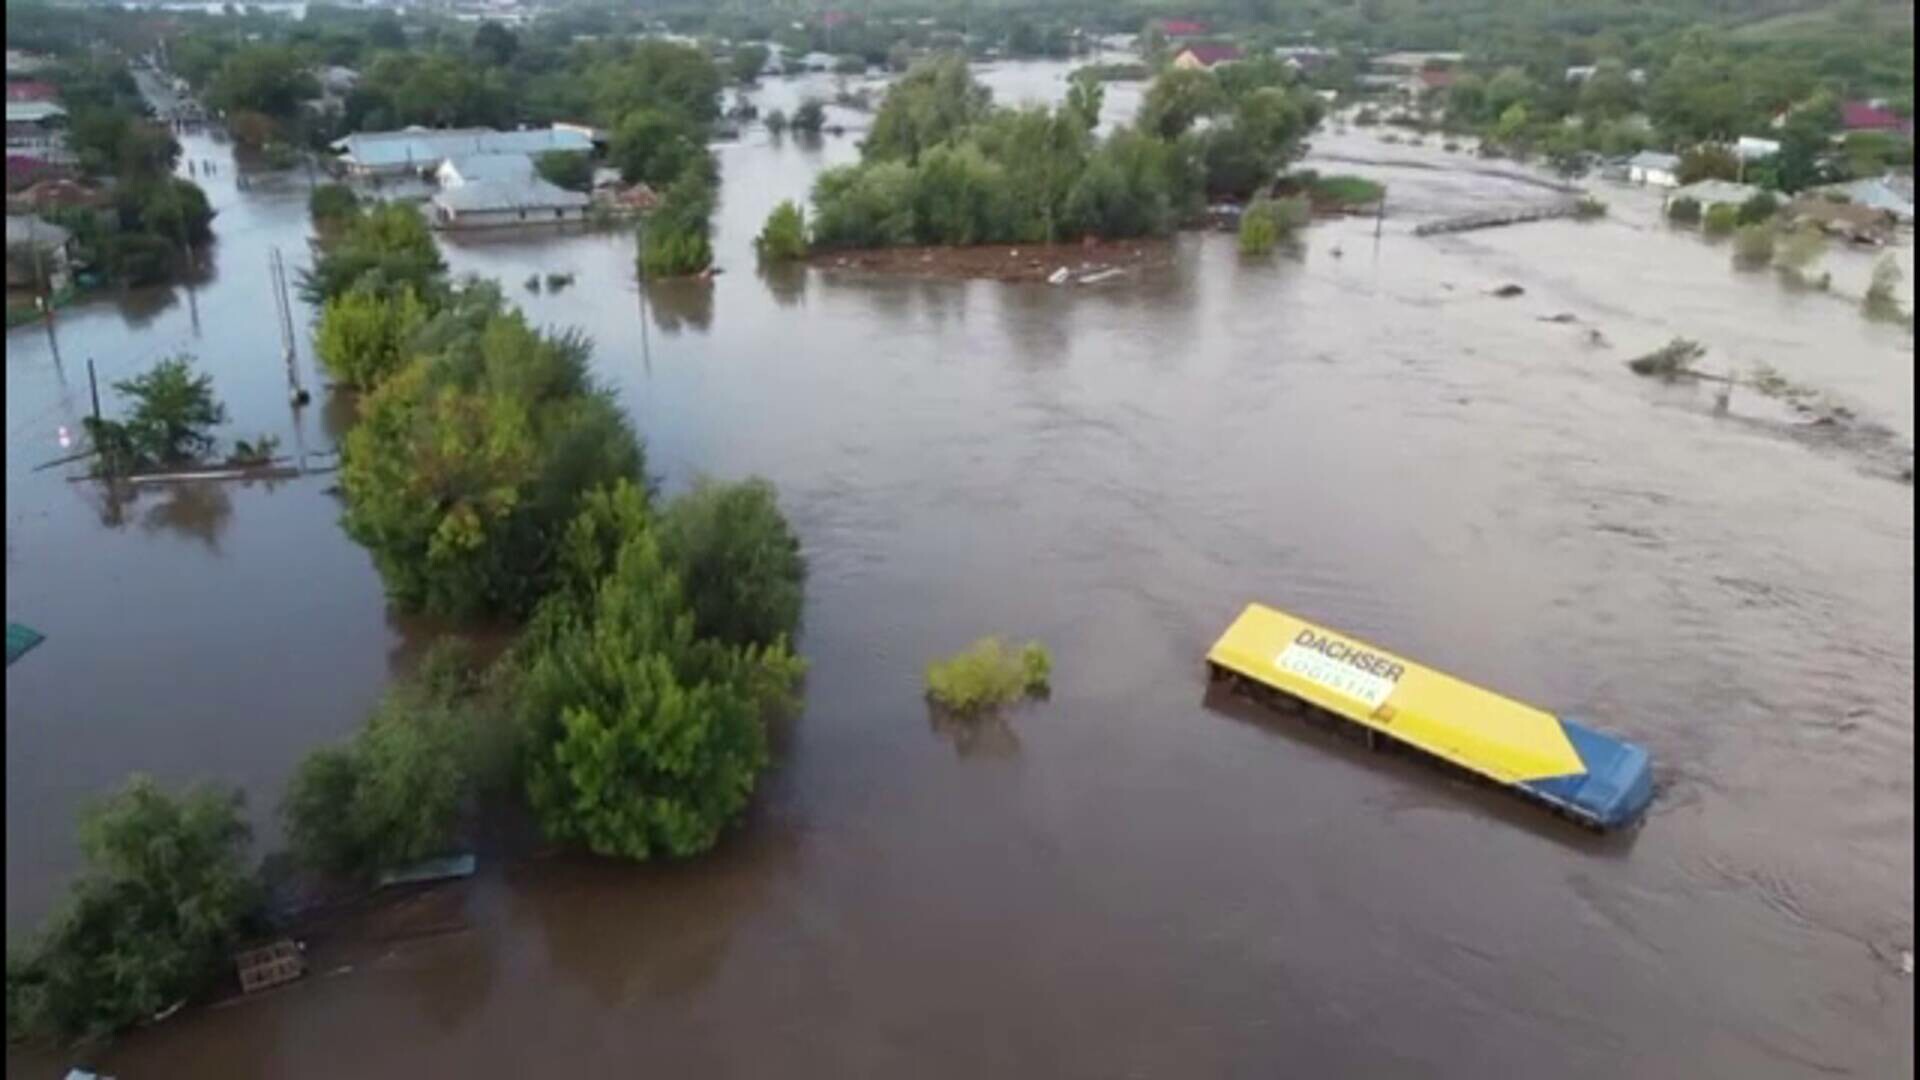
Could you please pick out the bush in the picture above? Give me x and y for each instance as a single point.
(331, 204)
(390, 796)
(988, 675)
(1720, 220)
(676, 241)
(1753, 245)
(1803, 248)
(1259, 228)
(1670, 361)
(810, 117)
(164, 897)
(776, 121)
(784, 237)
(1343, 192)
(1759, 209)
(1684, 211)
(468, 462)
(1589, 209)
(1708, 162)
(738, 562)
(1881, 301)
(363, 336)
(569, 169)
(642, 737)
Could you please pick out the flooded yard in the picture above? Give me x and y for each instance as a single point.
(1130, 878)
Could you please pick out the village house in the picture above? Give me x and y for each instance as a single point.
(1890, 195)
(1868, 116)
(1182, 28)
(36, 127)
(1852, 222)
(1654, 169)
(1712, 193)
(1750, 148)
(32, 90)
(1201, 57)
(484, 204)
(419, 150)
(39, 253)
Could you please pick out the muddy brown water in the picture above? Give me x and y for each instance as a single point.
(1130, 878)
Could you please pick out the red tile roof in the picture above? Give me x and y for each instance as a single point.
(32, 91)
(1860, 116)
(1213, 54)
(1182, 28)
(1436, 78)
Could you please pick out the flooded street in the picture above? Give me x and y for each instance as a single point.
(1129, 879)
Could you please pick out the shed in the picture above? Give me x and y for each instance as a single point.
(1654, 169)
(1710, 193)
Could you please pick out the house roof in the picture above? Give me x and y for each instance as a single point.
(32, 112)
(427, 148)
(484, 195)
(1436, 78)
(32, 90)
(1213, 54)
(1182, 27)
(1877, 194)
(1714, 192)
(1862, 116)
(30, 229)
(1654, 159)
(470, 168)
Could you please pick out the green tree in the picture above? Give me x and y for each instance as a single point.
(738, 562)
(332, 204)
(364, 336)
(386, 248)
(113, 141)
(164, 897)
(675, 240)
(1511, 128)
(864, 206)
(1720, 220)
(1684, 211)
(267, 79)
(1708, 162)
(567, 169)
(1178, 98)
(810, 116)
(1758, 209)
(1510, 87)
(988, 675)
(390, 796)
(467, 463)
(643, 738)
(784, 237)
(171, 420)
(495, 44)
(1608, 93)
(654, 147)
(748, 61)
(933, 102)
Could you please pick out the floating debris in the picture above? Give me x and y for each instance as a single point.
(271, 965)
(1670, 361)
(1563, 317)
(449, 866)
(1509, 291)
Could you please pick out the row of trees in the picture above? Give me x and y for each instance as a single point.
(943, 165)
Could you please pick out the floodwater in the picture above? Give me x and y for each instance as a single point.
(1129, 879)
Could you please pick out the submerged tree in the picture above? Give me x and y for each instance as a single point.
(151, 920)
(643, 737)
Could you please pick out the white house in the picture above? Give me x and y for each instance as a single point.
(1750, 148)
(1654, 169)
(482, 204)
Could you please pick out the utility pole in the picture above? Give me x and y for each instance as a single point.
(283, 308)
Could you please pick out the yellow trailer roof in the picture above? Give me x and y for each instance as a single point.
(1473, 728)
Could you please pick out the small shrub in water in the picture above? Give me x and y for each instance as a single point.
(1880, 302)
(988, 675)
(1684, 211)
(1760, 208)
(1753, 245)
(1720, 220)
(1589, 208)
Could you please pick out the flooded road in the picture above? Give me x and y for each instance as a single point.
(1128, 879)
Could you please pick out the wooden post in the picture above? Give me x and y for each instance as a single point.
(93, 388)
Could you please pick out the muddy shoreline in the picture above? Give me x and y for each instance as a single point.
(1003, 262)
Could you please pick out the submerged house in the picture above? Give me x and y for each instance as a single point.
(486, 204)
(1204, 57)
(419, 150)
(1654, 169)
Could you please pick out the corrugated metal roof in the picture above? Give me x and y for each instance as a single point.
(32, 112)
(474, 167)
(485, 195)
(426, 148)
